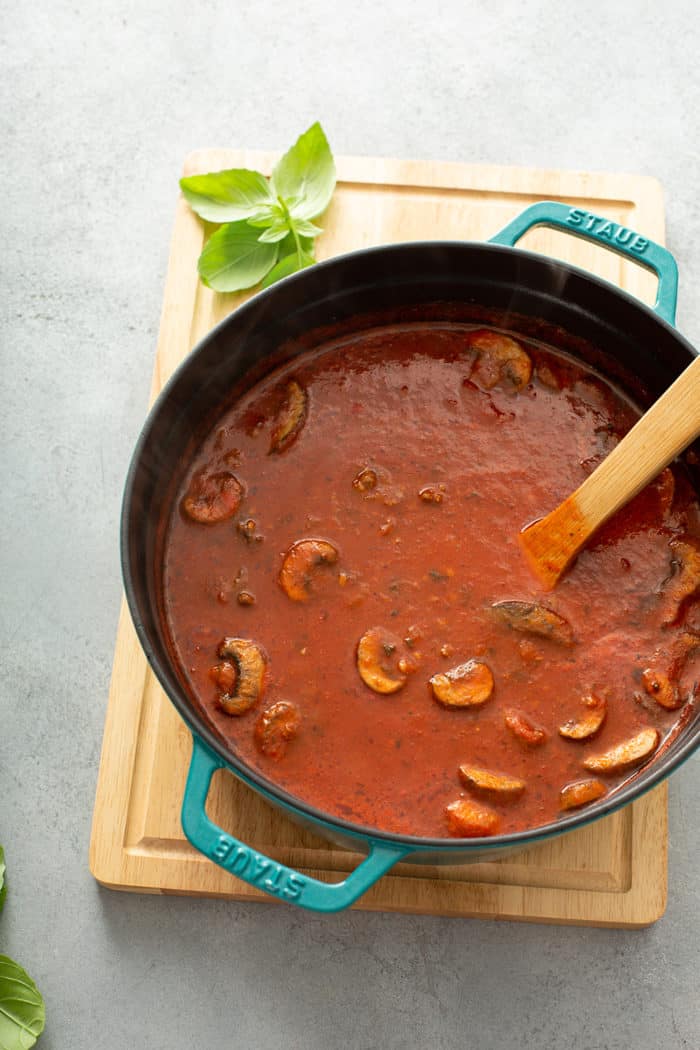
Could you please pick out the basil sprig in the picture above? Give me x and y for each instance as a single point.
(267, 232)
(22, 1013)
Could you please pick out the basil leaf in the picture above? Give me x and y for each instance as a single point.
(276, 232)
(305, 176)
(227, 196)
(234, 259)
(266, 216)
(3, 887)
(22, 1013)
(289, 246)
(308, 229)
(289, 264)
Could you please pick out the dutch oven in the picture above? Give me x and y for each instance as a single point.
(576, 310)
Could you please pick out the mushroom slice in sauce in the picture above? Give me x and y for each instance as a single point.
(534, 618)
(685, 579)
(365, 480)
(291, 418)
(212, 497)
(590, 722)
(468, 685)
(580, 793)
(379, 661)
(469, 819)
(250, 662)
(224, 676)
(275, 727)
(661, 688)
(629, 753)
(498, 784)
(300, 562)
(661, 678)
(432, 493)
(499, 359)
(524, 729)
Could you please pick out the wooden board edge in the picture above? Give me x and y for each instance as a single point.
(455, 174)
(635, 908)
(114, 771)
(187, 232)
(651, 807)
(181, 287)
(546, 906)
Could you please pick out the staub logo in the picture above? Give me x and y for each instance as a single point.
(260, 871)
(604, 229)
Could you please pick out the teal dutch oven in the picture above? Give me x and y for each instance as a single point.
(528, 290)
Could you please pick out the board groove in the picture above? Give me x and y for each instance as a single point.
(611, 873)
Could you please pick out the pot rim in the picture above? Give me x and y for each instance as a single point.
(639, 782)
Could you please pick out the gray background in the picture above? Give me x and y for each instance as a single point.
(100, 103)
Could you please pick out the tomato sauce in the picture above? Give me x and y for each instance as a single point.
(352, 522)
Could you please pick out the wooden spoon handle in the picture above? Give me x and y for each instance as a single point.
(669, 426)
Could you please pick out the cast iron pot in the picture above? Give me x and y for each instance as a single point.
(631, 338)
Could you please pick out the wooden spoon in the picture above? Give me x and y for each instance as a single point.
(669, 426)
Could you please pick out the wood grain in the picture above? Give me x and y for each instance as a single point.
(610, 873)
(665, 430)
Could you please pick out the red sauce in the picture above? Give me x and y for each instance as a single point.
(416, 456)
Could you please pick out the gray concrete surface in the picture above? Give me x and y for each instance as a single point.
(100, 102)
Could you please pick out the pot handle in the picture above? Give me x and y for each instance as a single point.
(607, 234)
(260, 871)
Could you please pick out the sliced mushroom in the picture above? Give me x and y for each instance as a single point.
(468, 685)
(275, 727)
(299, 565)
(432, 493)
(684, 581)
(525, 730)
(534, 618)
(663, 689)
(498, 784)
(365, 480)
(629, 753)
(499, 359)
(580, 793)
(379, 661)
(224, 676)
(469, 819)
(291, 418)
(212, 498)
(662, 677)
(588, 725)
(250, 663)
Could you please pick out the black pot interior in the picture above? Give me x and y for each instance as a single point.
(516, 290)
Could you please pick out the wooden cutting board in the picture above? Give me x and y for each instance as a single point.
(611, 873)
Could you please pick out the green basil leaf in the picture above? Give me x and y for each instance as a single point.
(308, 229)
(289, 264)
(3, 887)
(305, 176)
(276, 232)
(227, 196)
(289, 246)
(22, 1013)
(292, 202)
(234, 259)
(266, 216)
